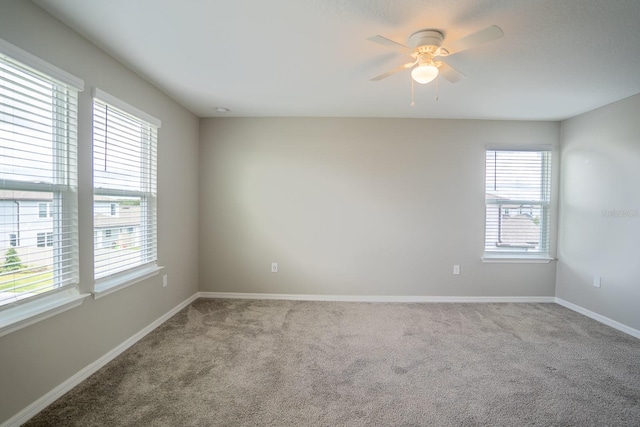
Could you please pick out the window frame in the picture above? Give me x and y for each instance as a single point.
(44, 210)
(27, 311)
(518, 255)
(121, 279)
(44, 239)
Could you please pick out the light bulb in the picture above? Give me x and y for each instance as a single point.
(424, 73)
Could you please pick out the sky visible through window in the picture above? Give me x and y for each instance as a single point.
(26, 127)
(117, 151)
(514, 175)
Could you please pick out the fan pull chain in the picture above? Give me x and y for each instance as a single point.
(413, 102)
(437, 97)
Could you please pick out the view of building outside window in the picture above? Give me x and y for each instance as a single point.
(37, 183)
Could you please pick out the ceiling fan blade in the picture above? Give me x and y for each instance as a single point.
(390, 43)
(488, 34)
(450, 73)
(395, 70)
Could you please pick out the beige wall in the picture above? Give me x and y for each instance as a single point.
(38, 358)
(600, 211)
(355, 207)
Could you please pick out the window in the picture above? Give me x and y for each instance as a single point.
(124, 175)
(518, 197)
(38, 116)
(44, 240)
(43, 210)
(41, 240)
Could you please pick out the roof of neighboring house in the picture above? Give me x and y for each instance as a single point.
(35, 195)
(504, 200)
(519, 230)
(107, 199)
(128, 216)
(25, 195)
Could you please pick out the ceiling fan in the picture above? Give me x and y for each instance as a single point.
(426, 45)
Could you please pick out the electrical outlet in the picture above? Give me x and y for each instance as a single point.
(274, 267)
(165, 281)
(456, 269)
(597, 281)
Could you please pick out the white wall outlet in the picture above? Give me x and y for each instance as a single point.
(274, 267)
(597, 281)
(165, 281)
(456, 269)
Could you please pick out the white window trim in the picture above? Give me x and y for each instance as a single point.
(17, 315)
(124, 279)
(513, 257)
(41, 65)
(115, 282)
(516, 259)
(23, 315)
(121, 105)
(510, 147)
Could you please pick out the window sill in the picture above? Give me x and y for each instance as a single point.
(23, 315)
(111, 284)
(513, 258)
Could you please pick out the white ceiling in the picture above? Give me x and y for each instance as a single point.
(558, 58)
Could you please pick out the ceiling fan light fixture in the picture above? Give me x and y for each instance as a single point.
(424, 73)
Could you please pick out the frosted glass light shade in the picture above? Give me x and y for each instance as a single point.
(424, 73)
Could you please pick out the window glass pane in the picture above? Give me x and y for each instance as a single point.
(124, 191)
(517, 192)
(515, 175)
(42, 210)
(120, 242)
(38, 203)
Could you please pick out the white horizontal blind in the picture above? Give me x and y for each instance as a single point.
(38, 183)
(518, 196)
(124, 179)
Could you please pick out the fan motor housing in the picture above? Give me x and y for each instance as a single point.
(426, 38)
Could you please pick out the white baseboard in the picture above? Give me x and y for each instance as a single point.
(30, 411)
(373, 298)
(600, 318)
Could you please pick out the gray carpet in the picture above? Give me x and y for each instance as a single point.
(295, 363)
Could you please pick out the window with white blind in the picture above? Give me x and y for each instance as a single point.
(124, 201)
(38, 182)
(518, 198)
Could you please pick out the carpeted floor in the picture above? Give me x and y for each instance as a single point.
(297, 363)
